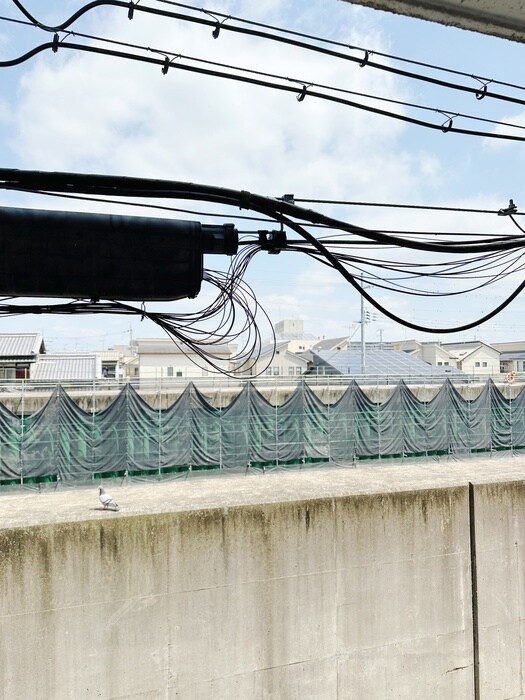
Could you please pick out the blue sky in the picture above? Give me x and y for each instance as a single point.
(69, 111)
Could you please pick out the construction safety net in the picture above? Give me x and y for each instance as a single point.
(61, 441)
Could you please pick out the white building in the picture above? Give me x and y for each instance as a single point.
(160, 358)
(475, 357)
(283, 363)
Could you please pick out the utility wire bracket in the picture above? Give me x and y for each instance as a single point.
(272, 241)
(507, 211)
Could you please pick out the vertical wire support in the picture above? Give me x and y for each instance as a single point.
(159, 432)
(93, 406)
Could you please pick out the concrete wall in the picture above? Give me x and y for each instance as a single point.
(364, 596)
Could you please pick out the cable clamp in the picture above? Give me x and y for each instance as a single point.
(300, 97)
(272, 241)
(366, 58)
(507, 211)
(244, 199)
(288, 199)
(56, 41)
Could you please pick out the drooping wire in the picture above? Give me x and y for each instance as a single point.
(283, 212)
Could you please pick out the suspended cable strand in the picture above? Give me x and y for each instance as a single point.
(447, 128)
(482, 80)
(132, 7)
(279, 210)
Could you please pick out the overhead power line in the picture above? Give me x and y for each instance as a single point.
(173, 62)
(502, 255)
(480, 91)
(299, 86)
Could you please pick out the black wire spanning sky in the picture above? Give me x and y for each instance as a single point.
(301, 86)
(426, 263)
(484, 260)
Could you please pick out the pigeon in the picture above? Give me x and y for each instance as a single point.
(106, 499)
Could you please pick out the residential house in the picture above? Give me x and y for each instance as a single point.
(431, 352)
(512, 356)
(160, 358)
(18, 352)
(279, 363)
(475, 357)
(67, 367)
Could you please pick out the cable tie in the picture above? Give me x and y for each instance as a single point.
(507, 211)
(447, 126)
(166, 65)
(55, 43)
(480, 94)
(365, 60)
(131, 10)
(300, 97)
(215, 33)
(244, 199)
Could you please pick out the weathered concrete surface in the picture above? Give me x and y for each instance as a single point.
(329, 584)
(500, 554)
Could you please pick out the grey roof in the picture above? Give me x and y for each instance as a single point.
(160, 346)
(329, 343)
(269, 348)
(60, 367)
(509, 347)
(20, 345)
(387, 363)
(513, 355)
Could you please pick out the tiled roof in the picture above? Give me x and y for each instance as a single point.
(60, 367)
(20, 344)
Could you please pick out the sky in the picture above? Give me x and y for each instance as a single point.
(76, 112)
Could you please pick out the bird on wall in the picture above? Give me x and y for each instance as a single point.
(107, 501)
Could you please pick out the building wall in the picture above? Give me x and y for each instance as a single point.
(354, 597)
(482, 361)
(164, 365)
(284, 364)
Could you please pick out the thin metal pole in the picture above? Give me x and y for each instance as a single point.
(363, 345)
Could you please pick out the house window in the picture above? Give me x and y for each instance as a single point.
(484, 364)
(476, 364)
(446, 364)
(297, 370)
(179, 373)
(439, 364)
(169, 371)
(276, 371)
(268, 370)
(290, 371)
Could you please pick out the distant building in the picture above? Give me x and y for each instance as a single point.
(160, 358)
(18, 352)
(431, 352)
(278, 362)
(292, 332)
(475, 357)
(67, 367)
(512, 356)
